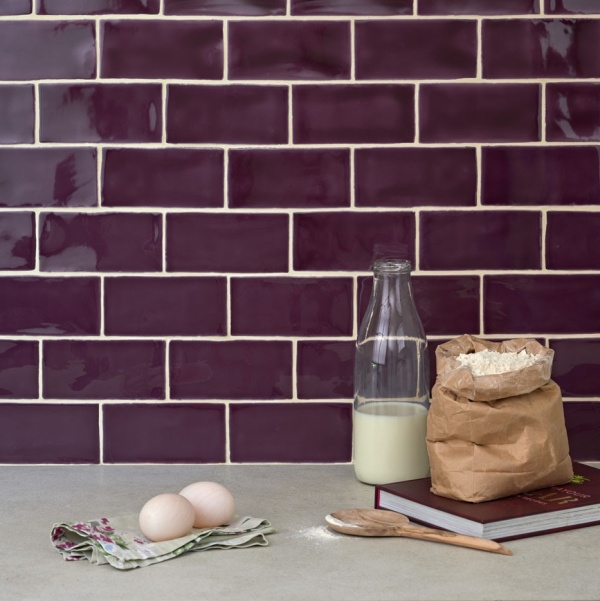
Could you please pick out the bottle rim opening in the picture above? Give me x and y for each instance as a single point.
(392, 266)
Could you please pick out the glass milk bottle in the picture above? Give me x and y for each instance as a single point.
(391, 382)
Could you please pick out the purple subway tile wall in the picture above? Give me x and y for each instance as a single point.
(101, 369)
(16, 114)
(192, 193)
(202, 242)
(572, 112)
(136, 49)
(290, 50)
(385, 49)
(100, 242)
(98, 7)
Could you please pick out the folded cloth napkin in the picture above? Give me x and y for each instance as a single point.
(119, 542)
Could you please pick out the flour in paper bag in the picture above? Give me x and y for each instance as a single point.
(486, 362)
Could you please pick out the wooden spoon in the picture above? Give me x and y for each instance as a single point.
(381, 522)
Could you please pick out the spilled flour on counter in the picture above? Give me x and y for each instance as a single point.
(486, 362)
(318, 534)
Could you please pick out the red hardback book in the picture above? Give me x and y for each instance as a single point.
(546, 510)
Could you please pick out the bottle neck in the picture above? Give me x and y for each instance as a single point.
(391, 276)
(391, 267)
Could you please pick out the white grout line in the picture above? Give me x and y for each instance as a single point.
(98, 28)
(68, 81)
(36, 114)
(99, 170)
(228, 307)
(101, 332)
(291, 244)
(163, 220)
(225, 50)
(410, 17)
(167, 371)
(40, 371)
(352, 178)
(290, 123)
(417, 111)
(478, 176)
(352, 50)
(163, 118)
(227, 434)
(226, 179)
(481, 307)
(101, 431)
(542, 112)
(543, 234)
(295, 370)
(479, 68)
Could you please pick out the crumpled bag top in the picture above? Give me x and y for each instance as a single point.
(458, 378)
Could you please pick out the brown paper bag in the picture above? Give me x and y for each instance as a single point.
(497, 435)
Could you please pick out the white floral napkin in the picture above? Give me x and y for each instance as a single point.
(119, 542)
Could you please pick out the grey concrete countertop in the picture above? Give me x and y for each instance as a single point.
(304, 560)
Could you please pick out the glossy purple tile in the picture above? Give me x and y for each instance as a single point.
(136, 49)
(360, 113)
(447, 305)
(50, 177)
(16, 114)
(100, 242)
(48, 433)
(17, 241)
(306, 178)
(572, 6)
(15, 7)
(165, 433)
(428, 49)
(479, 113)
(291, 306)
(521, 48)
(233, 369)
(346, 241)
(291, 433)
(19, 367)
(572, 112)
(100, 113)
(478, 7)
(352, 7)
(164, 306)
(236, 114)
(480, 240)
(550, 175)
(219, 242)
(289, 50)
(47, 50)
(583, 427)
(325, 369)
(552, 304)
(49, 306)
(162, 177)
(98, 7)
(412, 177)
(573, 240)
(103, 369)
(250, 8)
(576, 366)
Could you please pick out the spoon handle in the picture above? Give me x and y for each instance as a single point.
(451, 538)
